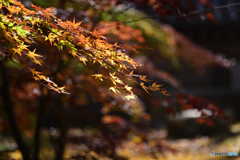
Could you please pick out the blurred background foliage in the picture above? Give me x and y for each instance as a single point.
(94, 123)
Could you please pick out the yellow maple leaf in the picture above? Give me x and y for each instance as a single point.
(36, 78)
(114, 89)
(111, 61)
(62, 90)
(131, 96)
(74, 53)
(37, 75)
(51, 37)
(115, 79)
(83, 59)
(129, 89)
(118, 81)
(34, 72)
(42, 77)
(22, 46)
(98, 76)
(32, 54)
(17, 50)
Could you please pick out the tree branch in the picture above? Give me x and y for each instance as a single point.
(197, 12)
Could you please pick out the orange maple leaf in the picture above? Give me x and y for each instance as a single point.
(144, 87)
(143, 78)
(154, 87)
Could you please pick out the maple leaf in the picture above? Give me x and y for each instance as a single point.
(146, 47)
(37, 75)
(129, 46)
(136, 46)
(144, 87)
(62, 90)
(115, 79)
(14, 9)
(34, 72)
(51, 37)
(17, 50)
(38, 8)
(154, 87)
(129, 89)
(118, 81)
(131, 96)
(111, 61)
(20, 48)
(83, 59)
(143, 78)
(131, 74)
(74, 53)
(114, 89)
(98, 76)
(33, 54)
(75, 25)
(36, 78)
(164, 91)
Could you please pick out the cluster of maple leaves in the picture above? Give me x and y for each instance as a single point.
(36, 41)
(22, 27)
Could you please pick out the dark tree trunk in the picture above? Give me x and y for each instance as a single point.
(10, 114)
(42, 107)
(62, 4)
(61, 141)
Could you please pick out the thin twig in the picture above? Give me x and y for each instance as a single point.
(197, 12)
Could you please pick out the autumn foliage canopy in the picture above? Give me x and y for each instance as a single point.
(22, 28)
